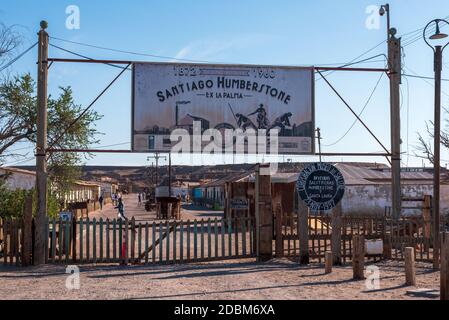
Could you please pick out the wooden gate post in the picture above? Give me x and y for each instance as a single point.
(444, 271)
(303, 232)
(264, 214)
(410, 273)
(328, 260)
(427, 217)
(336, 234)
(27, 234)
(358, 257)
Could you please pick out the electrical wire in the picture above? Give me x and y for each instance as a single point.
(17, 58)
(361, 112)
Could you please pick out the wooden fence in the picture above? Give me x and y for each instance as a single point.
(11, 240)
(125, 241)
(396, 235)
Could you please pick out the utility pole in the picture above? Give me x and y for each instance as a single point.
(41, 146)
(394, 72)
(156, 157)
(436, 156)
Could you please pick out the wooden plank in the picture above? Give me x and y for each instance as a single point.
(81, 239)
(139, 242)
(27, 231)
(328, 260)
(133, 239)
(202, 238)
(195, 241)
(74, 239)
(167, 246)
(336, 234)
(53, 241)
(114, 240)
(161, 243)
(303, 232)
(146, 241)
(229, 237)
(60, 243)
(222, 230)
(101, 240)
(153, 240)
(236, 237)
(94, 240)
(108, 241)
(358, 257)
(444, 270)
(209, 239)
(215, 238)
(5, 241)
(181, 242)
(126, 242)
(87, 240)
(67, 241)
(174, 240)
(188, 240)
(120, 240)
(243, 226)
(410, 272)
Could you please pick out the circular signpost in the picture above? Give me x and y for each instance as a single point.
(321, 186)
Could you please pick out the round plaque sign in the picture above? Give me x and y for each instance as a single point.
(321, 186)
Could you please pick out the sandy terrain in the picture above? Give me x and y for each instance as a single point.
(243, 279)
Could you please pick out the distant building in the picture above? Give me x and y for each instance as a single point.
(18, 178)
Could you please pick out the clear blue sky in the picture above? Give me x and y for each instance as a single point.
(256, 32)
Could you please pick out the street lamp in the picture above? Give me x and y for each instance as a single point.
(438, 66)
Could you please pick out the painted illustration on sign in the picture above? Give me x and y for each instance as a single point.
(321, 186)
(169, 96)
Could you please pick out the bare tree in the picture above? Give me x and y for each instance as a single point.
(9, 42)
(424, 148)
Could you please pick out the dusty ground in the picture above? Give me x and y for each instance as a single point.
(244, 279)
(133, 209)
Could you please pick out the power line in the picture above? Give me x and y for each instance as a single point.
(363, 109)
(17, 58)
(128, 52)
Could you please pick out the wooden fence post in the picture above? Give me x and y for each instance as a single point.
(444, 271)
(27, 231)
(328, 260)
(358, 257)
(279, 238)
(336, 234)
(303, 232)
(410, 273)
(427, 220)
(265, 220)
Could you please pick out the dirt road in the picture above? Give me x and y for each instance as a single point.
(244, 279)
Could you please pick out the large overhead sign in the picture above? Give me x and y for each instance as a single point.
(198, 97)
(321, 186)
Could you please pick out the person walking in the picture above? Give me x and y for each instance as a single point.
(100, 200)
(121, 209)
(139, 199)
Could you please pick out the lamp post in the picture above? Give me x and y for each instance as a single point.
(438, 54)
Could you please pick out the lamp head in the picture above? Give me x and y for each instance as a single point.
(381, 11)
(438, 34)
